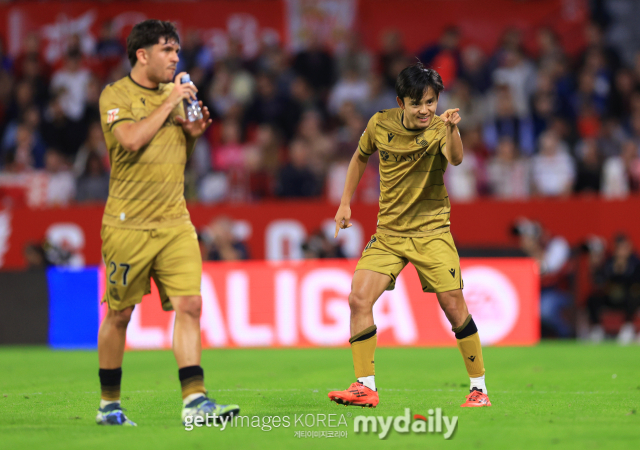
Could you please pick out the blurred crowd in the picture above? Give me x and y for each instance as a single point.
(535, 123)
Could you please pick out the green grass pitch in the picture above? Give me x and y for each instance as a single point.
(552, 396)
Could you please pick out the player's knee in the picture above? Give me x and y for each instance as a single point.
(120, 319)
(358, 302)
(190, 306)
(456, 314)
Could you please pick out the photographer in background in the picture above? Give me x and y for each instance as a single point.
(220, 243)
(553, 255)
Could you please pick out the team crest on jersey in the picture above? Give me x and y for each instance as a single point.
(112, 115)
(421, 141)
(384, 155)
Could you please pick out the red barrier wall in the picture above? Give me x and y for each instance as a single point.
(262, 304)
(420, 21)
(275, 230)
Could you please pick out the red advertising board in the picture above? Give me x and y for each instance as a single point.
(249, 22)
(305, 304)
(275, 230)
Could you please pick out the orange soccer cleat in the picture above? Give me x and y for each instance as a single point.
(476, 398)
(357, 395)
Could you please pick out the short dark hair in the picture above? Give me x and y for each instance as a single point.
(148, 33)
(414, 80)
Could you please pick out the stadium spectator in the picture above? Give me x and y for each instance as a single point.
(621, 274)
(268, 106)
(351, 87)
(589, 172)
(193, 54)
(501, 118)
(33, 73)
(70, 83)
(6, 63)
(444, 55)
(380, 96)
(474, 69)
(94, 144)
(393, 57)
(60, 132)
(25, 147)
(621, 174)
(549, 49)
(321, 145)
(61, 188)
(93, 184)
(351, 54)
(22, 100)
(296, 179)
(553, 170)
(508, 173)
(518, 74)
(109, 48)
(315, 65)
(30, 122)
(262, 158)
(464, 182)
(32, 50)
(611, 137)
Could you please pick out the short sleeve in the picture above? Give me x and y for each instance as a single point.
(442, 136)
(115, 108)
(367, 144)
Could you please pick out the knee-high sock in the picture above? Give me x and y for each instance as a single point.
(363, 348)
(470, 347)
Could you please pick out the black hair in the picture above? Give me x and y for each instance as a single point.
(414, 81)
(148, 33)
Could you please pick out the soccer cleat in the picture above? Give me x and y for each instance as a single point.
(357, 395)
(112, 415)
(476, 398)
(209, 410)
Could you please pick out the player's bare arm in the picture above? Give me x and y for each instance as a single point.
(354, 174)
(134, 136)
(452, 150)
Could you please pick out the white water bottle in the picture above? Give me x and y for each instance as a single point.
(191, 107)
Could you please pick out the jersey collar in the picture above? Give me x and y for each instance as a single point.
(141, 86)
(414, 129)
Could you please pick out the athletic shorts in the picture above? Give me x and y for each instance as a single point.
(434, 257)
(171, 256)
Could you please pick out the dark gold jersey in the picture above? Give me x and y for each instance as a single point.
(413, 198)
(146, 189)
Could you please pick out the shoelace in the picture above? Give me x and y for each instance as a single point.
(474, 396)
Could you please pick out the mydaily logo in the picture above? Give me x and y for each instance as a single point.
(433, 423)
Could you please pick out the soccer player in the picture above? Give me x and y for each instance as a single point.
(146, 228)
(415, 146)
